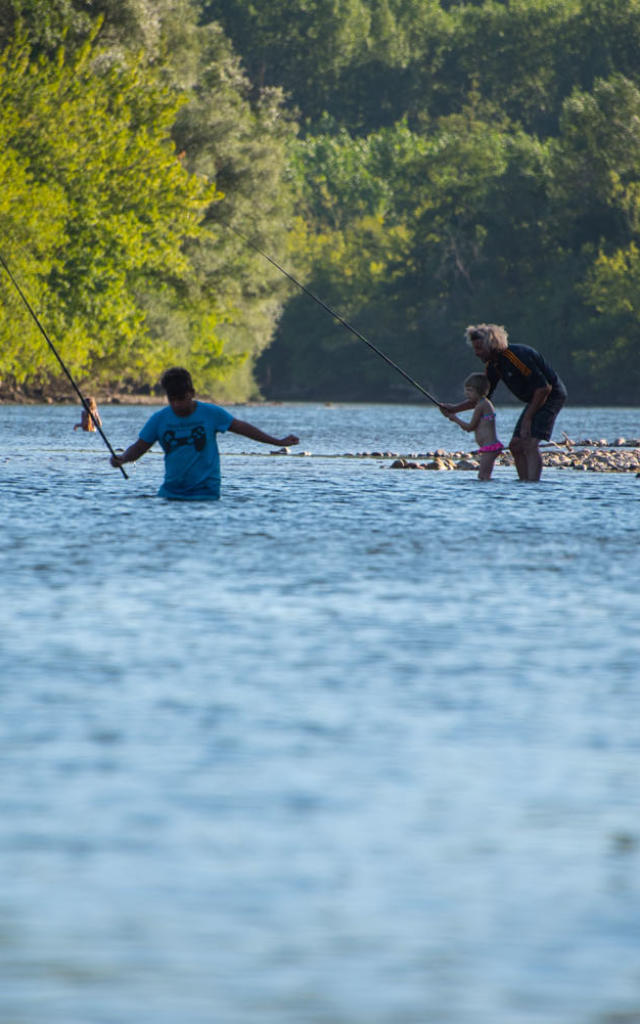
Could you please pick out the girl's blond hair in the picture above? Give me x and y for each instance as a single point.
(495, 337)
(479, 382)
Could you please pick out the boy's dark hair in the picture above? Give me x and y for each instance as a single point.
(177, 382)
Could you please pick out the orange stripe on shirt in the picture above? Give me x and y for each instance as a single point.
(519, 365)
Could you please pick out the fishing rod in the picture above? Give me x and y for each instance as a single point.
(335, 315)
(55, 352)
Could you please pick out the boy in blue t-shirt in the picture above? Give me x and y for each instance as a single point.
(186, 431)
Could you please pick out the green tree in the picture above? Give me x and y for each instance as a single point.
(239, 142)
(597, 193)
(33, 216)
(195, 291)
(612, 289)
(102, 142)
(285, 43)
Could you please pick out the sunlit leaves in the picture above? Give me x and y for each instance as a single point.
(126, 203)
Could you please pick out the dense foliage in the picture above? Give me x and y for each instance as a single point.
(483, 167)
(127, 138)
(419, 164)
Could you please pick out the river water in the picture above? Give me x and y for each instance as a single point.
(350, 746)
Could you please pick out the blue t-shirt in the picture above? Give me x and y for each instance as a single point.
(191, 457)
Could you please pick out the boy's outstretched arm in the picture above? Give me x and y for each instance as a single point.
(248, 430)
(133, 452)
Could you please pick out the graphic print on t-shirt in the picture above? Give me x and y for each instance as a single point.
(197, 437)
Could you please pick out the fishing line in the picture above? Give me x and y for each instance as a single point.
(335, 315)
(55, 352)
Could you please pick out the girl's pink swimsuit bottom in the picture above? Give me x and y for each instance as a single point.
(497, 447)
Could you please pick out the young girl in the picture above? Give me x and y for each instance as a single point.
(88, 422)
(483, 422)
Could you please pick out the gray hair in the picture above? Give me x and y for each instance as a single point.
(495, 338)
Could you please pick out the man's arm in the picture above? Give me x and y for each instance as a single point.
(248, 430)
(133, 452)
(536, 402)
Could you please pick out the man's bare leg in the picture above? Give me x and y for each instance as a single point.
(534, 458)
(527, 457)
(519, 457)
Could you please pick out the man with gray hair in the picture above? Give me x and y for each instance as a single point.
(530, 378)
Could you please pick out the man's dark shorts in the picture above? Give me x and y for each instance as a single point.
(544, 418)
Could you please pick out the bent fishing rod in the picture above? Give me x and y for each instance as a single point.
(335, 315)
(56, 354)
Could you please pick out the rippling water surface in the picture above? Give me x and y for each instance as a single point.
(350, 746)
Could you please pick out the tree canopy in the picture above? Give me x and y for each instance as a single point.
(419, 164)
(121, 161)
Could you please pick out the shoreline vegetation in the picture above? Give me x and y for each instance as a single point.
(12, 395)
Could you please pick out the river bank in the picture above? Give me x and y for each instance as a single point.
(14, 395)
(10, 395)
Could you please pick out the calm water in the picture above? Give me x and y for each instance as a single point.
(351, 746)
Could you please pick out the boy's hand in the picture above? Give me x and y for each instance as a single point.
(133, 452)
(288, 440)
